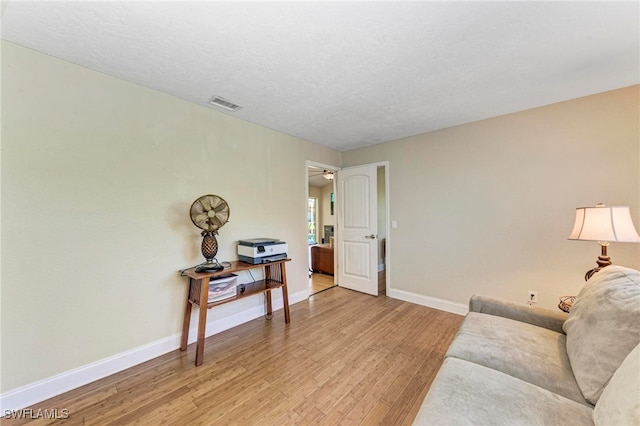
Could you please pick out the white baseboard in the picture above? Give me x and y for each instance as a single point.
(34, 393)
(431, 302)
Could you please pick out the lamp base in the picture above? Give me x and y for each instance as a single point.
(603, 261)
(590, 273)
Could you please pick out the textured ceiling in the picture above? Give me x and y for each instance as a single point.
(347, 74)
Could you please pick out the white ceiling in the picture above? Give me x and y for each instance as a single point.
(347, 74)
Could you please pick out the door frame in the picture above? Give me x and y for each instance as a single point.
(387, 225)
(387, 208)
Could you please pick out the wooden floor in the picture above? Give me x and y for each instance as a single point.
(346, 358)
(319, 282)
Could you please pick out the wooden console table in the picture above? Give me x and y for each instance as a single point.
(275, 276)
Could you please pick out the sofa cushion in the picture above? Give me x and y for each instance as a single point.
(468, 393)
(619, 403)
(603, 327)
(534, 354)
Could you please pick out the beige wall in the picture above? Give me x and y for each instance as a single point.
(487, 207)
(97, 178)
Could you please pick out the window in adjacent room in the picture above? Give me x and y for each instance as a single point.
(312, 215)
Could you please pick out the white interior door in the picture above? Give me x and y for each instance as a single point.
(357, 244)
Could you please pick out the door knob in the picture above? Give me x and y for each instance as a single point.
(372, 236)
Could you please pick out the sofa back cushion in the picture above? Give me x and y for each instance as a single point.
(619, 403)
(603, 327)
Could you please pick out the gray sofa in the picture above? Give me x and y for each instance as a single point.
(513, 364)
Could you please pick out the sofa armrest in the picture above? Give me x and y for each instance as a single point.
(534, 315)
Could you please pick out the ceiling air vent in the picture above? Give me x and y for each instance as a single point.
(223, 103)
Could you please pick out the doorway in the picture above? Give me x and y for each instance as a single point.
(321, 277)
(321, 221)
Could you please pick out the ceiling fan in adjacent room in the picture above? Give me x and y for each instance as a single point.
(327, 174)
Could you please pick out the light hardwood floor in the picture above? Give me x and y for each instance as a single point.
(319, 282)
(346, 358)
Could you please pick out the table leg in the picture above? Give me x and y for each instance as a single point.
(185, 324)
(285, 295)
(202, 320)
(267, 277)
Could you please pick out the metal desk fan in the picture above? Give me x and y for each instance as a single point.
(209, 213)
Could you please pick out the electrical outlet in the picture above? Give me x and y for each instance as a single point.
(533, 297)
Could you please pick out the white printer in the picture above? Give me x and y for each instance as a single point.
(261, 250)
